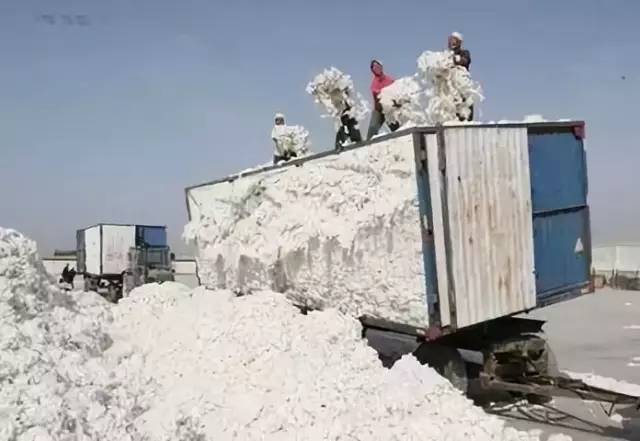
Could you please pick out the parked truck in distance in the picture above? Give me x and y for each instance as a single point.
(115, 258)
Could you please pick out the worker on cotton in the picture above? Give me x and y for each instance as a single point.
(290, 141)
(334, 91)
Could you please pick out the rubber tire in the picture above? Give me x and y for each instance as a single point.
(112, 293)
(447, 361)
(552, 370)
(552, 362)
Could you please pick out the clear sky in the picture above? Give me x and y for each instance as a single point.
(108, 117)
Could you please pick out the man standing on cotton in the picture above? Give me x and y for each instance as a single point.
(279, 132)
(461, 57)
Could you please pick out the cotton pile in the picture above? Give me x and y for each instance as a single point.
(439, 93)
(169, 363)
(403, 102)
(255, 368)
(55, 381)
(341, 231)
(335, 92)
(451, 89)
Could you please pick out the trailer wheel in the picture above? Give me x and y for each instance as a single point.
(552, 370)
(113, 292)
(552, 363)
(90, 284)
(447, 361)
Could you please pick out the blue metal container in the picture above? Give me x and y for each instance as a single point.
(151, 236)
(562, 238)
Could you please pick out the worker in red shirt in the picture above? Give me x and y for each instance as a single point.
(380, 81)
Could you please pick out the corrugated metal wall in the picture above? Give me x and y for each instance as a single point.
(488, 222)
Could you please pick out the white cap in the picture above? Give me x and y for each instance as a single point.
(279, 115)
(457, 35)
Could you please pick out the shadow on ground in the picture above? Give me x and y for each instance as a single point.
(583, 420)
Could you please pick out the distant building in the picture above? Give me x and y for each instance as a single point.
(71, 254)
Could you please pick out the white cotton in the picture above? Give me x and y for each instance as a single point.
(559, 437)
(616, 418)
(534, 118)
(55, 383)
(450, 88)
(321, 233)
(255, 368)
(334, 91)
(404, 102)
(290, 139)
(171, 363)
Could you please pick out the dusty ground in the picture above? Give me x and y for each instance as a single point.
(588, 335)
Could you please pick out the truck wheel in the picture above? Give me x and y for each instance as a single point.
(112, 293)
(552, 370)
(90, 284)
(447, 361)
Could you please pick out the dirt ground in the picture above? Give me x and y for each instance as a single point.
(597, 333)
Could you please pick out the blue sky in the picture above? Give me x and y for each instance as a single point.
(110, 121)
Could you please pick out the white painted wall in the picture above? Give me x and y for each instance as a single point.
(184, 266)
(54, 267)
(618, 258)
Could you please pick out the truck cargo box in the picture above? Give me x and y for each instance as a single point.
(430, 226)
(103, 249)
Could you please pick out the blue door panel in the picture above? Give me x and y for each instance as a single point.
(562, 251)
(558, 171)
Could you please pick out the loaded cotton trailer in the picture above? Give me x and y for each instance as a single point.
(106, 252)
(428, 234)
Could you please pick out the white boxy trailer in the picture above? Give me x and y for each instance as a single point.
(104, 249)
(106, 253)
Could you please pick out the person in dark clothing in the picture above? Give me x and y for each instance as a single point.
(72, 276)
(348, 131)
(68, 275)
(461, 57)
(65, 274)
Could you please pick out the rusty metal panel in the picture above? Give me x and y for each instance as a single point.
(487, 221)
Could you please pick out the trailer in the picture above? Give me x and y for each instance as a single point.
(447, 234)
(110, 254)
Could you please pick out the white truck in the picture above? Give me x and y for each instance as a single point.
(118, 257)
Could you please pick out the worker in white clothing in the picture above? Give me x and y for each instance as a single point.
(282, 151)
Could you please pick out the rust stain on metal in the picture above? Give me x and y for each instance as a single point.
(490, 222)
